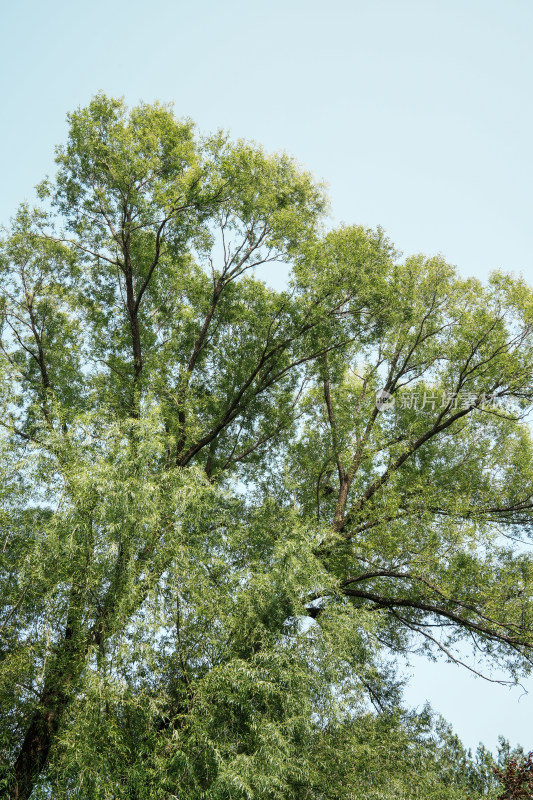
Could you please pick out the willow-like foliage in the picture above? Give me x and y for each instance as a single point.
(224, 509)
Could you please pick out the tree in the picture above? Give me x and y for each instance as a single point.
(213, 533)
(517, 778)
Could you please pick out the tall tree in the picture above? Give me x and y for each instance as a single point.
(222, 505)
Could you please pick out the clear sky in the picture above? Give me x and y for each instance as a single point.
(417, 113)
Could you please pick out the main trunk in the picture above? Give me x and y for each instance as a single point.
(42, 729)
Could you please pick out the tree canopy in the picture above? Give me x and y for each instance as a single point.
(226, 508)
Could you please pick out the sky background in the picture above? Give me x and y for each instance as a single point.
(417, 114)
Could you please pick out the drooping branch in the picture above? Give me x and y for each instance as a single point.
(493, 630)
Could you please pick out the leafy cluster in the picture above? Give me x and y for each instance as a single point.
(517, 778)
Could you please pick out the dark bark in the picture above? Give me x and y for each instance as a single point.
(44, 724)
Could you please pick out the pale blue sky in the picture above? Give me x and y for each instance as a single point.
(417, 113)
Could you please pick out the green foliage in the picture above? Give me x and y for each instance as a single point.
(213, 539)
